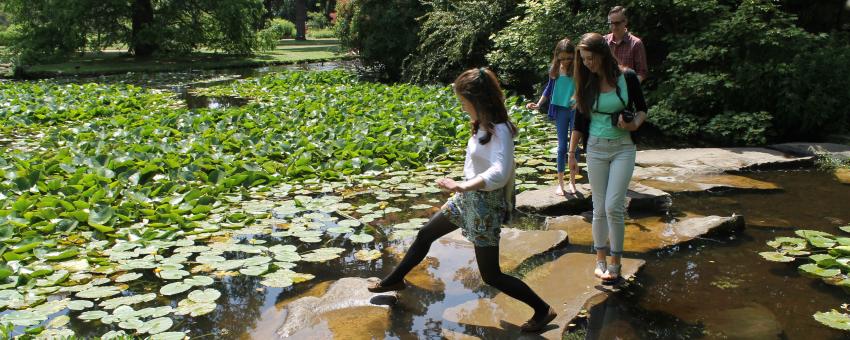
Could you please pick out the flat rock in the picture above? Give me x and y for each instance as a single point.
(843, 175)
(649, 233)
(814, 149)
(453, 256)
(687, 180)
(567, 284)
(346, 302)
(546, 201)
(752, 321)
(639, 197)
(717, 160)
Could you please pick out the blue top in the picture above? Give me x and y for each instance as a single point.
(609, 102)
(560, 93)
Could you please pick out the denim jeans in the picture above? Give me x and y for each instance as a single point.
(564, 118)
(610, 163)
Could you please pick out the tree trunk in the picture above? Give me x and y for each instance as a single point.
(300, 20)
(140, 42)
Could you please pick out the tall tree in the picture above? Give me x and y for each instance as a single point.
(300, 20)
(140, 43)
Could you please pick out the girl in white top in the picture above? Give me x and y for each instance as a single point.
(483, 201)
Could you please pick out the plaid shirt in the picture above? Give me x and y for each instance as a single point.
(629, 53)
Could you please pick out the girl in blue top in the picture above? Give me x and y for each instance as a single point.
(560, 90)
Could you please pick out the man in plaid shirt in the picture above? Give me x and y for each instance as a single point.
(627, 48)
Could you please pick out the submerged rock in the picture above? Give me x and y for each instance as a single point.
(843, 175)
(717, 160)
(452, 257)
(567, 284)
(639, 197)
(649, 233)
(753, 321)
(840, 151)
(346, 302)
(674, 179)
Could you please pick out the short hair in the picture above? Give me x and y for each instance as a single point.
(617, 9)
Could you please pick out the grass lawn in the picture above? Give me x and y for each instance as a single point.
(118, 61)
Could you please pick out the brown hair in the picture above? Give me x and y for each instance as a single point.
(618, 9)
(587, 82)
(565, 45)
(481, 88)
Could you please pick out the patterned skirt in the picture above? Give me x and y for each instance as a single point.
(479, 214)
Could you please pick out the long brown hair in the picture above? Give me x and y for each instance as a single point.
(481, 88)
(587, 82)
(565, 45)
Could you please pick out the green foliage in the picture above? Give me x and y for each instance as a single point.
(316, 20)
(50, 28)
(522, 50)
(373, 29)
(749, 76)
(268, 38)
(827, 258)
(455, 36)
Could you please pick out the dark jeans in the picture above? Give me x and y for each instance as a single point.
(487, 258)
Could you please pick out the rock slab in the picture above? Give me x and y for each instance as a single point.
(649, 233)
(840, 151)
(347, 301)
(717, 160)
(639, 197)
(567, 284)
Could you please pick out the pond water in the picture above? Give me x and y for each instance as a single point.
(715, 287)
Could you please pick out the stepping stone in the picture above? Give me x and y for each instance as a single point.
(717, 160)
(815, 149)
(346, 302)
(567, 284)
(843, 175)
(453, 257)
(649, 233)
(673, 179)
(639, 197)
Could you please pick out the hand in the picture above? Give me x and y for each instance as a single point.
(573, 163)
(448, 184)
(532, 106)
(632, 126)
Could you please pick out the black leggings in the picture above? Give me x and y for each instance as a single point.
(487, 258)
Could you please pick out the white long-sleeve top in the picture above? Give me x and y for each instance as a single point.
(493, 161)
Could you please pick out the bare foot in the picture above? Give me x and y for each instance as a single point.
(572, 189)
(559, 191)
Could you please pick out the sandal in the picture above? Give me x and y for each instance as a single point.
(613, 273)
(379, 287)
(535, 326)
(601, 268)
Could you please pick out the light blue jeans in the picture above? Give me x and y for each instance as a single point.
(610, 163)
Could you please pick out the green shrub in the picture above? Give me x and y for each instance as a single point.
(323, 33)
(522, 50)
(455, 36)
(277, 29)
(317, 20)
(382, 32)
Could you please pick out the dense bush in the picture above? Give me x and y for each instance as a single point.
(523, 49)
(50, 28)
(277, 29)
(316, 20)
(383, 32)
(455, 36)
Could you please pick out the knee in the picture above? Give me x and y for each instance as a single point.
(615, 209)
(491, 279)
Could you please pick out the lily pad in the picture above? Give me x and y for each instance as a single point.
(169, 336)
(173, 274)
(367, 254)
(814, 270)
(127, 300)
(156, 326)
(189, 307)
(174, 288)
(199, 281)
(834, 319)
(128, 277)
(776, 257)
(80, 304)
(23, 318)
(206, 295)
(59, 321)
(92, 315)
(361, 238)
(99, 292)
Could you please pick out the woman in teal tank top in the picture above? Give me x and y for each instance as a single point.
(603, 91)
(560, 89)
